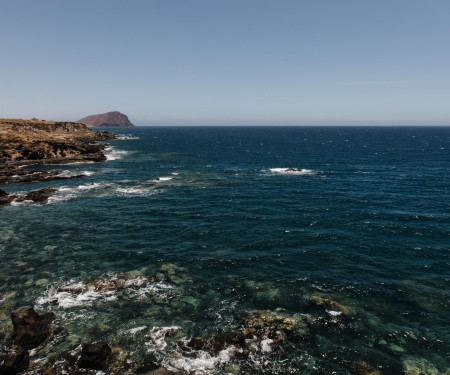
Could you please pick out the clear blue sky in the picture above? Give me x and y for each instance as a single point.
(227, 62)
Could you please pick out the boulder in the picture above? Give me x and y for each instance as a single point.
(29, 328)
(94, 356)
(14, 361)
(147, 367)
(5, 198)
(40, 196)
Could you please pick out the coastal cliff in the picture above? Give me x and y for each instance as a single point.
(109, 119)
(37, 142)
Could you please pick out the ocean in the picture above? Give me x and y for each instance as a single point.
(326, 248)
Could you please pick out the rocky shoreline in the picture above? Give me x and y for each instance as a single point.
(256, 333)
(30, 142)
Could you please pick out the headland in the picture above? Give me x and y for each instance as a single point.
(26, 142)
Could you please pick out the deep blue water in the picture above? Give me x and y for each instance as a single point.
(354, 248)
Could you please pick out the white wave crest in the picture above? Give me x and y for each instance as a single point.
(126, 137)
(113, 153)
(294, 171)
(204, 362)
(68, 173)
(333, 312)
(162, 179)
(133, 331)
(137, 191)
(75, 294)
(158, 335)
(22, 203)
(67, 300)
(66, 193)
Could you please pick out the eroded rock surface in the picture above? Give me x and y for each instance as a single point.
(95, 356)
(37, 196)
(30, 328)
(363, 368)
(13, 361)
(261, 331)
(33, 141)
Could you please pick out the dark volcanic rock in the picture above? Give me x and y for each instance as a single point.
(48, 142)
(32, 141)
(40, 196)
(5, 198)
(362, 368)
(147, 367)
(37, 196)
(14, 361)
(109, 119)
(30, 328)
(163, 371)
(95, 356)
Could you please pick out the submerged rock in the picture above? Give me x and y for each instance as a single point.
(263, 319)
(421, 366)
(261, 331)
(362, 368)
(14, 361)
(327, 302)
(94, 356)
(29, 328)
(176, 274)
(217, 343)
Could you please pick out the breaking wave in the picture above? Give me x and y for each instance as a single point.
(292, 171)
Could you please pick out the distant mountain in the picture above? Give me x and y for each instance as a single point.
(110, 119)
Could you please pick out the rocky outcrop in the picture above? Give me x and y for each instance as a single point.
(5, 198)
(94, 356)
(14, 361)
(109, 119)
(32, 142)
(30, 328)
(50, 142)
(37, 196)
(261, 331)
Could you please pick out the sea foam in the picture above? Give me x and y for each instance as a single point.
(126, 137)
(292, 171)
(113, 153)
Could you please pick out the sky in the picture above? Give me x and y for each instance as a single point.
(233, 62)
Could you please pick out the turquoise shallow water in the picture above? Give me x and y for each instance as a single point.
(354, 248)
